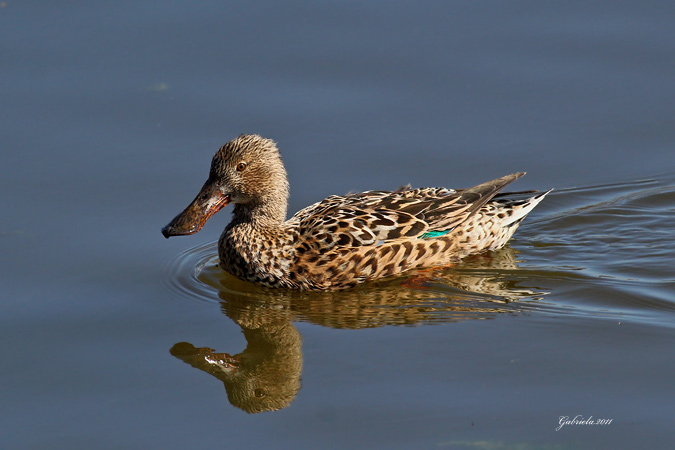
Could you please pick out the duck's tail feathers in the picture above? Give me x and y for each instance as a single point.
(521, 208)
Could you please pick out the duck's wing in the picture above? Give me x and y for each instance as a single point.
(375, 217)
(444, 216)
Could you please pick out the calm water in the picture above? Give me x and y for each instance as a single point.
(114, 337)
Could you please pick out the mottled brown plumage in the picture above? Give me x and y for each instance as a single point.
(342, 240)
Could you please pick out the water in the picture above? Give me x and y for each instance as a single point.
(110, 116)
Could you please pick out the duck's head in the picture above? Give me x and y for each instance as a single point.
(246, 171)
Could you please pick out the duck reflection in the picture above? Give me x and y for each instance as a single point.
(266, 375)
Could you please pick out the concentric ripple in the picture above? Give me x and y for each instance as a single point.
(182, 273)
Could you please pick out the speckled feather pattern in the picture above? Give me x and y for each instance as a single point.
(345, 240)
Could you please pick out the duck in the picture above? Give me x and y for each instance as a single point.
(342, 241)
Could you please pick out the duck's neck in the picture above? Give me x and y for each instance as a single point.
(261, 215)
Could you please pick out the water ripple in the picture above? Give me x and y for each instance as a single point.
(181, 274)
(619, 237)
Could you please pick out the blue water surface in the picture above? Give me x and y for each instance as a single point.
(111, 113)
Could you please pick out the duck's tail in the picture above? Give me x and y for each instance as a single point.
(518, 208)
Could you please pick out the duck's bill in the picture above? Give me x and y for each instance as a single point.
(208, 202)
(205, 358)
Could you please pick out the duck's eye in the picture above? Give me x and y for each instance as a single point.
(259, 393)
(241, 166)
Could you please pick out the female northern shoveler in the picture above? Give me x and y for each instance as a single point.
(341, 241)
